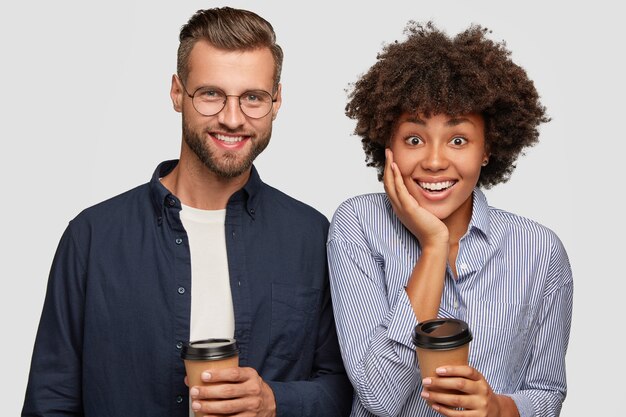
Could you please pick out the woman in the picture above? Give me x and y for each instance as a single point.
(439, 117)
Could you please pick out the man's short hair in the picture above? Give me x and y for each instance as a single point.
(228, 29)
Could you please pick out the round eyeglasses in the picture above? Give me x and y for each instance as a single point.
(209, 101)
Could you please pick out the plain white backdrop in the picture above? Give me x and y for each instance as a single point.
(86, 115)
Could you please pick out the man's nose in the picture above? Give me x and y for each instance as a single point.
(231, 115)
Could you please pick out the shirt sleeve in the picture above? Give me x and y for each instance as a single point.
(545, 387)
(374, 333)
(54, 383)
(328, 392)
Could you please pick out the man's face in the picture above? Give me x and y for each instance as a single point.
(228, 142)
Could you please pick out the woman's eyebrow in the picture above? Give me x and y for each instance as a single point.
(415, 119)
(455, 121)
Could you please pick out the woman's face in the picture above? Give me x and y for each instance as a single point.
(440, 158)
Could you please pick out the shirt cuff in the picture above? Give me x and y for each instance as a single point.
(401, 321)
(524, 405)
(288, 402)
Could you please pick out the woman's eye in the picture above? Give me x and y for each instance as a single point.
(413, 140)
(458, 141)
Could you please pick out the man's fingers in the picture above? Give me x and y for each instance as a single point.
(226, 375)
(224, 407)
(228, 383)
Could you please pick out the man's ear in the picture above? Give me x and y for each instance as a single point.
(176, 93)
(279, 99)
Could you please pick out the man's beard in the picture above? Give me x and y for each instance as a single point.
(229, 165)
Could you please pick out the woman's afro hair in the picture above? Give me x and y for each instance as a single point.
(431, 73)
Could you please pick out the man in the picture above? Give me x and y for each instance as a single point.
(205, 249)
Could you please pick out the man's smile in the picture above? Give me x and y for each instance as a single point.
(229, 139)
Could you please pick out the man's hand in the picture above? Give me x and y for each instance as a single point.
(233, 392)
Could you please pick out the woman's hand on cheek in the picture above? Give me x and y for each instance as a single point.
(425, 226)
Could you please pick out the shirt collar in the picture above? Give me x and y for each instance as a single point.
(249, 194)
(161, 197)
(480, 214)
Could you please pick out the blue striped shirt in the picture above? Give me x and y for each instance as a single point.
(514, 288)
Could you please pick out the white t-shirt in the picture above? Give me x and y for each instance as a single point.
(212, 314)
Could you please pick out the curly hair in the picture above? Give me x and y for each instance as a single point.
(431, 73)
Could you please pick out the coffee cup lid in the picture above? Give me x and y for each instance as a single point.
(441, 334)
(209, 349)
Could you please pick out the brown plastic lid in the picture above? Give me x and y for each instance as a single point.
(441, 334)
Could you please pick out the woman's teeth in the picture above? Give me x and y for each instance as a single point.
(436, 186)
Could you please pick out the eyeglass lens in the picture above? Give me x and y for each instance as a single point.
(210, 101)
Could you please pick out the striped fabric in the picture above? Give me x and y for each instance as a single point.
(514, 288)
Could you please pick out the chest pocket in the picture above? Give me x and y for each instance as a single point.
(500, 342)
(295, 309)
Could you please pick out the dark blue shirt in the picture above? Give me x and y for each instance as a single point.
(118, 304)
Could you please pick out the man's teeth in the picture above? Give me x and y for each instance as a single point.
(436, 186)
(229, 139)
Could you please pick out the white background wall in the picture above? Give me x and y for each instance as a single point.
(86, 115)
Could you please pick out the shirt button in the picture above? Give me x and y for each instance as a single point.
(251, 211)
(179, 241)
(179, 345)
(179, 399)
(463, 266)
(181, 290)
(171, 202)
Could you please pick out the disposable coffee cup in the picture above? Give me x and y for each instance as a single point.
(440, 342)
(208, 354)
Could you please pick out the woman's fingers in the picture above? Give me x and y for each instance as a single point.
(389, 181)
(405, 199)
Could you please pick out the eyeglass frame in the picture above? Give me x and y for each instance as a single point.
(191, 96)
